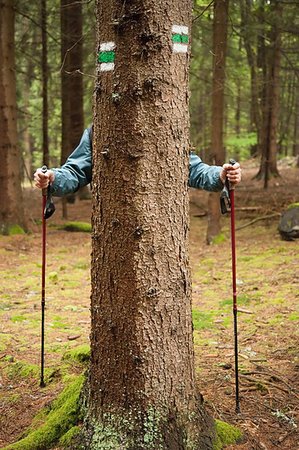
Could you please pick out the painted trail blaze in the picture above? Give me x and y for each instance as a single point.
(180, 39)
(106, 56)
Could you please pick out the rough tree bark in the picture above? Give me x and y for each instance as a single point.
(217, 152)
(142, 392)
(11, 201)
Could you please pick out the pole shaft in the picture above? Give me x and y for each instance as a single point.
(44, 230)
(234, 283)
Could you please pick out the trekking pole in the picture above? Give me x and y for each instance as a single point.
(48, 209)
(44, 231)
(227, 201)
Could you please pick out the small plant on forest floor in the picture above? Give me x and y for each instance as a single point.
(284, 418)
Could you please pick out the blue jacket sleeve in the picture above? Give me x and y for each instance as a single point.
(203, 176)
(76, 172)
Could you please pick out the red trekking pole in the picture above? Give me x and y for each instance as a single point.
(48, 209)
(227, 202)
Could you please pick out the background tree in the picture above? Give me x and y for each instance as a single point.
(270, 56)
(11, 200)
(217, 150)
(72, 115)
(141, 339)
(45, 71)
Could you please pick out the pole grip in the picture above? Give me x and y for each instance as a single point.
(230, 186)
(44, 169)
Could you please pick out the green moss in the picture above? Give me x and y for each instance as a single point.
(293, 205)
(18, 318)
(53, 276)
(24, 370)
(63, 416)
(81, 264)
(68, 437)
(294, 316)
(14, 398)
(202, 319)
(15, 229)
(219, 239)
(79, 354)
(76, 226)
(4, 341)
(225, 435)
(57, 323)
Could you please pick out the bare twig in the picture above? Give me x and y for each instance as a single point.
(206, 8)
(258, 219)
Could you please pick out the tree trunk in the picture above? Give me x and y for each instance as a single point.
(28, 143)
(217, 153)
(296, 128)
(11, 201)
(268, 166)
(238, 110)
(142, 382)
(72, 115)
(45, 76)
(249, 38)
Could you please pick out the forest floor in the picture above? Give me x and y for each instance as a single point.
(268, 297)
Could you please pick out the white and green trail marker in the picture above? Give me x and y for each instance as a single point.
(106, 56)
(180, 39)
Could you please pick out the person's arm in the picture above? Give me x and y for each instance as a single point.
(75, 173)
(212, 178)
(203, 176)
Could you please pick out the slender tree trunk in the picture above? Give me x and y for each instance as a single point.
(271, 68)
(217, 153)
(296, 128)
(72, 115)
(142, 383)
(238, 110)
(28, 144)
(45, 76)
(250, 45)
(11, 200)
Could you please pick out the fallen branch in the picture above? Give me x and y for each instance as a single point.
(258, 219)
(262, 381)
(269, 374)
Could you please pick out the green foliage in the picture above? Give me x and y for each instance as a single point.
(238, 147)
(29, 74)
(62, 416)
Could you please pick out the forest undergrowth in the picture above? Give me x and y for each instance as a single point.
(268, 297)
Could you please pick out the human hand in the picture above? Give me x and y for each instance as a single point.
(232, 173)
(43, 179)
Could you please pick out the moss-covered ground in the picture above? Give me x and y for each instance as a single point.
(268, 297)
